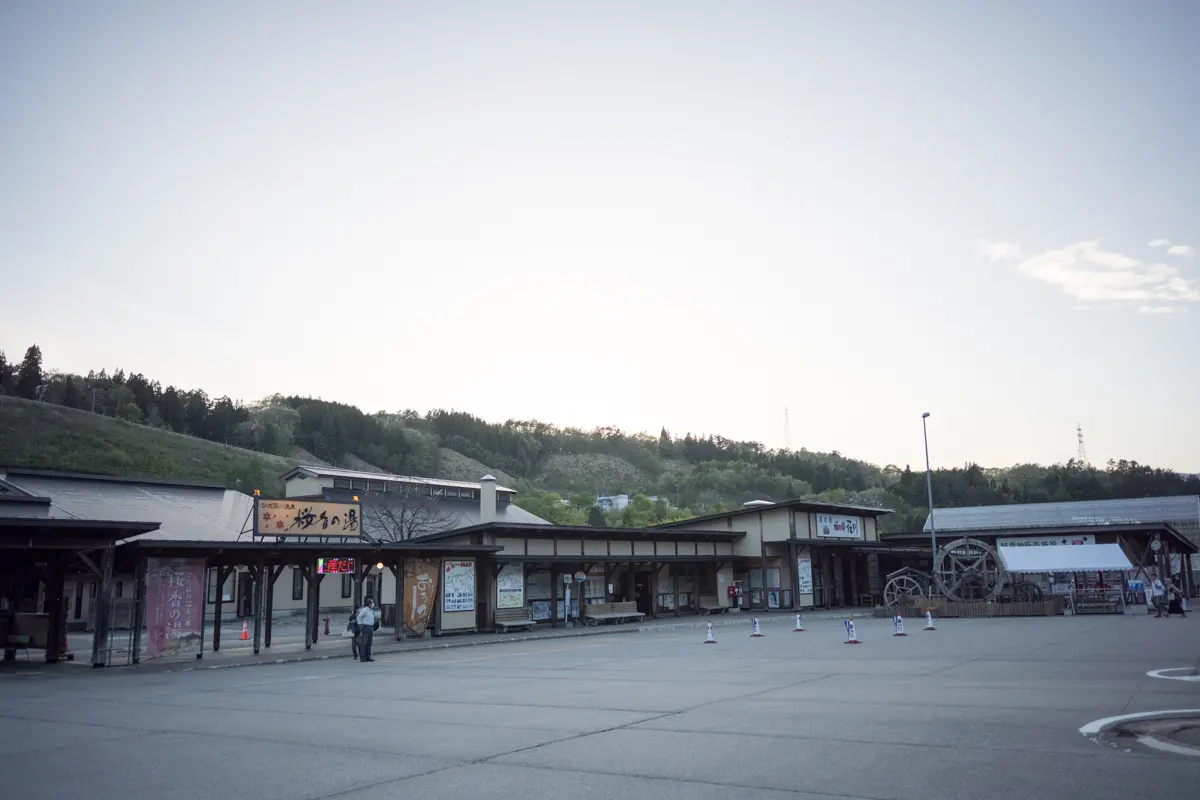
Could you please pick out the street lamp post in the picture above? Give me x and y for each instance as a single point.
(929, 493)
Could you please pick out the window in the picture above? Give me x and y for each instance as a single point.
(357, 484)
(341, 483)
(376, 486)
(440, 491)
(347, 585)
(226, 590)
(467, 494)
(297, 584)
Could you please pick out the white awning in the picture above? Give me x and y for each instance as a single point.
(1065, 558)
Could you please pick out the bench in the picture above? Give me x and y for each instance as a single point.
(514, 618)
(711, 604)
(595, 613)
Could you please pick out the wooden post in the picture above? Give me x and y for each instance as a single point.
(269, 612)
(103, 611)
(139, 609)
(553, 596)
(221, 576)
(398, 574)
(260, 579)
(56, 577)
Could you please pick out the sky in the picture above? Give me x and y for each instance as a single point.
(684, 214)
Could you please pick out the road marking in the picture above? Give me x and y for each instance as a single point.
(1159, 673)
(1094, 727)
(1168, 747)
(426, 662)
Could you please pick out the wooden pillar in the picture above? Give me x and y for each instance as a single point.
(103, 610)
(553, 596)
(401, 588)
(221, 576)
(139, 609)
(795, 573)
(269, 610)
(56, 576)
(259, 575)
(675, 587)
(609, 571)
(654, 568)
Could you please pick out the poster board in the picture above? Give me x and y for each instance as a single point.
(804, 576)
(174, 606)
(420, 593)
(510, 586)
(458, 585)
(833, 526)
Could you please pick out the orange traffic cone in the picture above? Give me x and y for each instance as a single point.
(245, 632)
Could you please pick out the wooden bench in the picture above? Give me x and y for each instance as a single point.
(514, 618)
(711, 604)
(611, 612)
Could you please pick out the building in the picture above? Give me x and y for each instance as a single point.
(801, 554)
(615, 502)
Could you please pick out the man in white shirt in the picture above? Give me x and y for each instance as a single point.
(1158, 594)
(366, 630)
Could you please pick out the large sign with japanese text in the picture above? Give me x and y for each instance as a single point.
(306, 518)
(831, 526)
(420, 591)
(174, 606)
(1046, 541)
(458, 586)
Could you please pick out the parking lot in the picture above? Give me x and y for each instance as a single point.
(978, 709)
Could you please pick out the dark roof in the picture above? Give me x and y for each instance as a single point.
(804, 505)
(1146, 527)
(458, 513)
(581, 532)
(10, 472)
(1080, 514)
(281, 552)
(185, 512)
(47, 533)
(314, 470)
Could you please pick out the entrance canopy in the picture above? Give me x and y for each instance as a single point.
(1065, 558)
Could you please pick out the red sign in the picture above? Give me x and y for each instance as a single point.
(174, 606)
(330, 566)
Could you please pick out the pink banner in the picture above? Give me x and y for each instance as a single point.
(174, 606)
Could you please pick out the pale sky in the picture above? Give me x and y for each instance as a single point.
(683, 214)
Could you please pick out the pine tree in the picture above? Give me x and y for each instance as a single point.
(596, 518)
(29, 374)
(6, 375)
(72, 397)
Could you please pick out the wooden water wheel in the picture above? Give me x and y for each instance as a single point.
(968, 569)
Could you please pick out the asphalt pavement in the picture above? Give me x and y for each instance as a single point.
(978, 709)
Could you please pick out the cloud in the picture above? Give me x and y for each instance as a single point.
(1181, 250)
(999, 251)
(1160, 242)
(1090, 274)
(1156, 310)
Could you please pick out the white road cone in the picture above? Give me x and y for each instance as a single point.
(799, 625)
(929, 626)
(757, 632)
(898, 624)
(710, 639)
(851, 636)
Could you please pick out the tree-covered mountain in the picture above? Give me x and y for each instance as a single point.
(560, 471)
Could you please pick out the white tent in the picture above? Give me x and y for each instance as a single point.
(1074, 558)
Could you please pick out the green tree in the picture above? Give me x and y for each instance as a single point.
(29, 374)
(72, 397)
(596, 518)
(130, 412)
(6, 375)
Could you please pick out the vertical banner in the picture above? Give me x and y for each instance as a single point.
(804, 578)
(458, 586)
(420, 592)
(174, 606)
(510, 586)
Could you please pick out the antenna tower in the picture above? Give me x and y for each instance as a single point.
(787, 430)
(1081, 452)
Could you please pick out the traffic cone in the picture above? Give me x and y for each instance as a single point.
(929, 626)
(757, 632)
(799, 625)
(851, 636)
(710, 639)
(898, 624)
(66, 646)
(245, 632)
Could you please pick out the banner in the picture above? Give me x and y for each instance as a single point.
(510, 586)
(1046, 541)
(420, 592)
(458, 586)
(306, 518)
(174, 606)
(830, 526)
(804, 583)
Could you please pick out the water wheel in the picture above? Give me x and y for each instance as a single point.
(904, 590)
(968, 569)
(1027, 592)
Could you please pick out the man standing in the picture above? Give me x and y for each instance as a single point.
(366, 630)
(1158, 594)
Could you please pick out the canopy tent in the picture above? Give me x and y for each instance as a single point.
(1065, 558)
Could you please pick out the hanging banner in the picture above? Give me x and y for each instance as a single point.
(458, 586)
(510, 586)
(420, 592)
(804, 575)
(830, 526)
(174, 606)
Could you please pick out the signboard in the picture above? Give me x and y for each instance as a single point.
(1046, 541)
(174, 606)
(458, 586)
(804, 582)
(334, 566)
(306, 518)
(831, 526)
(420, 591)
(510, 586)
(580, 576)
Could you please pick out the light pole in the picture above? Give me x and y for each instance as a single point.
(929, 492)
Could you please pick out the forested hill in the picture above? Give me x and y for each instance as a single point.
(558, 470)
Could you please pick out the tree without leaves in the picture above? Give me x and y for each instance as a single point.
(403, 515)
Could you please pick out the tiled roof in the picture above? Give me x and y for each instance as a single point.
(1183, 512)
(313, 471)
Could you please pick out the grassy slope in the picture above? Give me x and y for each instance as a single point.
(43, 436)
(590, 472)
(454, 466)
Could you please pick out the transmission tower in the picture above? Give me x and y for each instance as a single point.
(1081, 452)
(787, 430)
